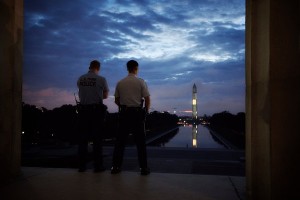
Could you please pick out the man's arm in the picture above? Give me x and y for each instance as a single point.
(78, 82)
(105, 94)
(147, 103)
(117, 101)
(105, 90)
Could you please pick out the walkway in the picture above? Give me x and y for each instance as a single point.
(161, 160)
(65, 184)
(176, 173)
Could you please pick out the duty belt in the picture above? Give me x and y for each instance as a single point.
(124, 108)
(92, 106)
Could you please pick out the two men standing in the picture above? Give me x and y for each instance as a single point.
(130, 94)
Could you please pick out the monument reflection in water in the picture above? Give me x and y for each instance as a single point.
(194, 135)
(201, 137)
(190, 136)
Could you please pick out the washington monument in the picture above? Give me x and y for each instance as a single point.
(195, 113)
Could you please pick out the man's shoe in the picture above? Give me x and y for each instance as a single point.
(145, 171)
(99, 169)
(115, 170)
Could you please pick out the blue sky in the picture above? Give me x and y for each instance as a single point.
(176, 42)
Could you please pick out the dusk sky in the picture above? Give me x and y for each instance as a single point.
(176, 42)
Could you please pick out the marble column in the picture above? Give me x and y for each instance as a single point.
(272, 98)
(11, 50)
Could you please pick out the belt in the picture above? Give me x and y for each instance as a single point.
(126, 108)
(91, 106)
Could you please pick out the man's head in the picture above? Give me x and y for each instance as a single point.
(94, 66)
(132, 66)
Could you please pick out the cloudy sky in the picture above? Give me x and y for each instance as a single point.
(176, 42)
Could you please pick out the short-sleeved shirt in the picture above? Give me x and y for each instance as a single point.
(131, 90)
(91, 87)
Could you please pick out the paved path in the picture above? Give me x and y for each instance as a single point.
(162, 160)
(185, 161)
(68, 184)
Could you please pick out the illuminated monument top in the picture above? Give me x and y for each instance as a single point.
(194, 104)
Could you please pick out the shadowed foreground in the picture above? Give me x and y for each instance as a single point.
(49, 183)
(161, 160)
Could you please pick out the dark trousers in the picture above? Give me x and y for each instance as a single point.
(131, 121)
(91, 125)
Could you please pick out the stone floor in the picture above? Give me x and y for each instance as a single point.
(63, 183)
(161, 160)
(176, 173)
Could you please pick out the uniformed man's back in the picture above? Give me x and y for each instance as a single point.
(131, 90)
(92, 90)
(128, 96)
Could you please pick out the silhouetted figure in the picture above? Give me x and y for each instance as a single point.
(129, 94)
(92, 90)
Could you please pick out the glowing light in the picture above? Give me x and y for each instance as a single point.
(194, 101)
(194, 143)
(187, 111)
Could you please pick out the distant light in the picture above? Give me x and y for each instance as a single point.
(194, 143)
(187, 111)
(52, 134)
(23, 132)
(194, 102)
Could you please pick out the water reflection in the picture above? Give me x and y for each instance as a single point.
(194, 135)
(162, 141)
(191, 136)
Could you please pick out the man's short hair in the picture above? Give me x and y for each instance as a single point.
(132, 65)
(95, 64)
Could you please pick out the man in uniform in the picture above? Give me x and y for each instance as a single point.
(129, 94)
(92, 90)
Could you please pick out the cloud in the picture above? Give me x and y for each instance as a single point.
(176, 43)
(47, 97)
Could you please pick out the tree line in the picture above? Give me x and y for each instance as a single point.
(229, 126)
(41, 126)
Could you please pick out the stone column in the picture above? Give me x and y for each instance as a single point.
(273, 100)
(11, 52)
